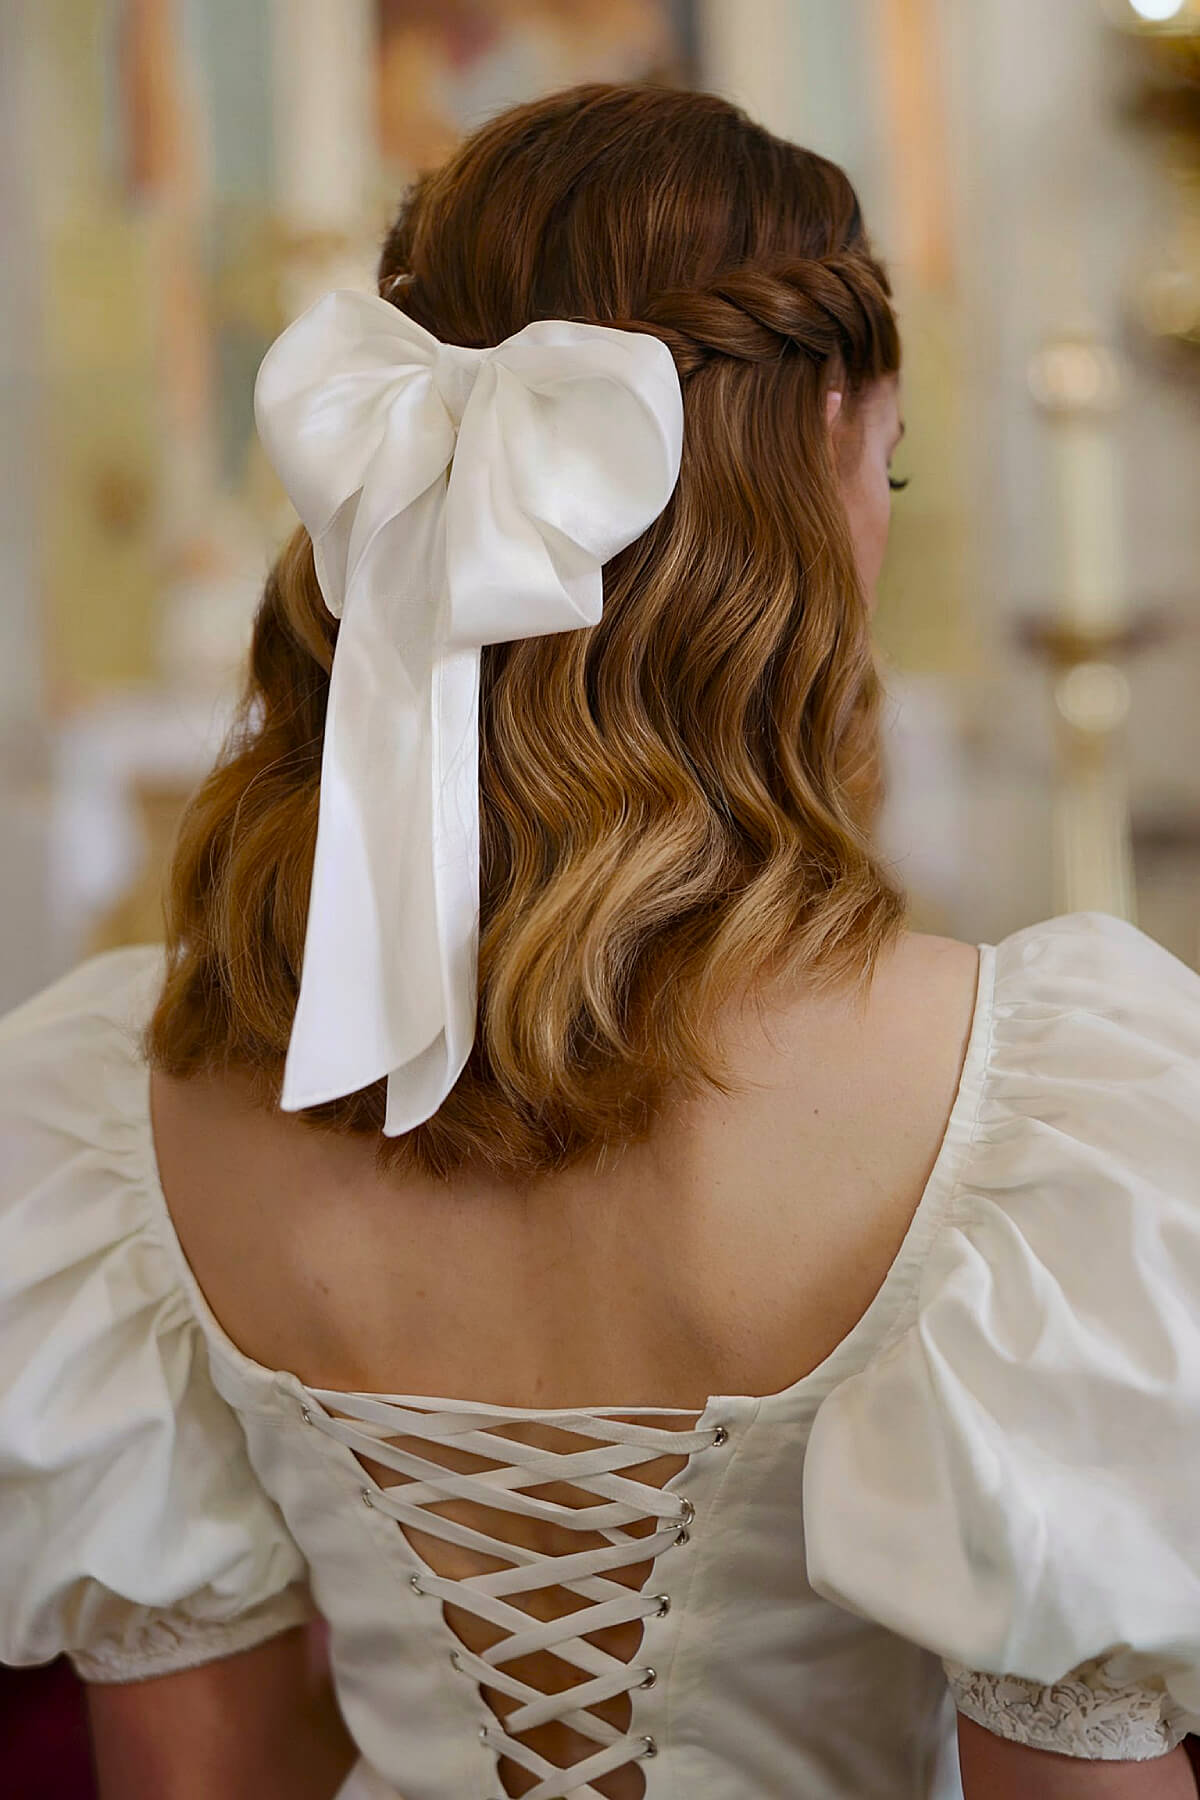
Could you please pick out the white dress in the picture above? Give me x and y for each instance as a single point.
(987, 1496)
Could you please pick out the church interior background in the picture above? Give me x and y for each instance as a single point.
(182, 176)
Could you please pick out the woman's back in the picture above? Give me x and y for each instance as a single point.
(728, 1254)
(746, 1596)
(718, 1465)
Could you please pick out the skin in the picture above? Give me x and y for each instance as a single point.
(264, 1723)
(995, 1769)
(864, 445)
(260, 1725)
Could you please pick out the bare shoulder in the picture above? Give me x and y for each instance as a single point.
(908, 1048)
(771, 1215)
(952, 958)
(878, 1065)
(925, 986)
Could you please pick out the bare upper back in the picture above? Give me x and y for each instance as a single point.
(729, 1254)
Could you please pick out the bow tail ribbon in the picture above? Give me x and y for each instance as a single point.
(391, 944)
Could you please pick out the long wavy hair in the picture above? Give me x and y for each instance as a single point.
(677, 803)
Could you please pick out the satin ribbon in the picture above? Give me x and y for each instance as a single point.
(455, 497)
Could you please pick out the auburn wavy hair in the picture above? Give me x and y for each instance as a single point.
(676, 804)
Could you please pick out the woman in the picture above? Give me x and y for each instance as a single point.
(702, 1337)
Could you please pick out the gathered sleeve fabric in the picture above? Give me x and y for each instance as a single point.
(134, 1535)
(1013, 1481)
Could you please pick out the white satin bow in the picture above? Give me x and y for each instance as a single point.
(562, 444)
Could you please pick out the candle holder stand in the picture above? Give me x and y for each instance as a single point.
(1093, 847)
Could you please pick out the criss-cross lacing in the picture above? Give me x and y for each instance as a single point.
(366, 1423)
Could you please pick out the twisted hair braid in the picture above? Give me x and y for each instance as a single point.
(826, 307)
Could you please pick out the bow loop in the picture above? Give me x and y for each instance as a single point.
(565, 455)
(455, 497)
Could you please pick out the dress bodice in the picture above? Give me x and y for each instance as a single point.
(982, 1499)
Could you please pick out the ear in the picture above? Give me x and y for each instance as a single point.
(833, 405)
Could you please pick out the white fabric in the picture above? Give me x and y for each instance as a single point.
(455, 497)
(985, 1495)
(132, 1530)
(1090, 1712)
(1037, 1426)
(600, 1450)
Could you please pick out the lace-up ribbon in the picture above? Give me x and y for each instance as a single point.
(366, 1423)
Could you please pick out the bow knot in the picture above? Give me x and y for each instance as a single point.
(455, 497)
(455, 369)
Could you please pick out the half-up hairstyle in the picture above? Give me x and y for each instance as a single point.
(676, 804)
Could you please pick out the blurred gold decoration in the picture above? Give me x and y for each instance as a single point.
(1087, 642)
(326, 149)
(1093, 846)
(1095, 840)
(123, 498)
(1167, 847)
(1075, 380)
(921, 623)
(245, 274)
(1092, 839)
(98, 474)
(155, 139)
(1164, 36)
(1169, 305)
(1075, 373)
(137, 916)
(1167, 30)
(170, 168)
(918, 139)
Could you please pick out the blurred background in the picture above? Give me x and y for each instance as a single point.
(180, 177)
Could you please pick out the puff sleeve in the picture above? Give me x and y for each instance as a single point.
(1013, 1481)
(134, 1535)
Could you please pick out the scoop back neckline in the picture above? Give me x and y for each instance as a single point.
(940, 1187)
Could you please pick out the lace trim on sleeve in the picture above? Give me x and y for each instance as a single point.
(1083, 1714)
(168, 1642)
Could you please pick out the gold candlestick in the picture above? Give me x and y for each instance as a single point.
(1093, 847)
(1163, 97)
(1075, 381)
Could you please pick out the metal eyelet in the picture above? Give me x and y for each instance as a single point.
(689, 1513)
(415, 1585)
(664, 1605)
(649, 1747)
(649, 1679)
(366, 1497)
(455, 1661)
(720, 1436)
(306, 1415)
(483, 1734)
(682, 1536)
